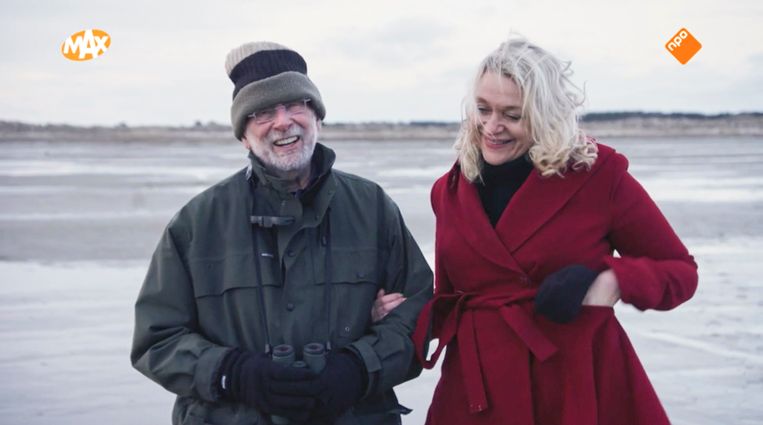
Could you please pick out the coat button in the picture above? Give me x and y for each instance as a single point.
(291, 253)
(290, 306)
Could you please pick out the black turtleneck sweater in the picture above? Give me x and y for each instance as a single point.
(499, 183)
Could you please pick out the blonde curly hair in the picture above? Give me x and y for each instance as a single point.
(550, 104)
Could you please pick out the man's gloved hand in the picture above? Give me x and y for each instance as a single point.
(561, 293)
(342, 383)
(272, 388)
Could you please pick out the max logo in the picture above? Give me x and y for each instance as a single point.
(86, 45)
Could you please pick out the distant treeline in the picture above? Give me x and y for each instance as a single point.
(613, 116)
(211, 126)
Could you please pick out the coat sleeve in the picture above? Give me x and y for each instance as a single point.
(654, 270)
(387, 348)
(166, 348)
(431, 319)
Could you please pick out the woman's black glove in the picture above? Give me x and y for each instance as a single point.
(561, 293)
(270, 387)
(342, 384)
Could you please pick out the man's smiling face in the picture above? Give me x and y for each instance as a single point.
(286, 144)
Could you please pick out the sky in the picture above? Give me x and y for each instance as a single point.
(393, 60)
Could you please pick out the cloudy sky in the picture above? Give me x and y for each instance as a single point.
(393, 60)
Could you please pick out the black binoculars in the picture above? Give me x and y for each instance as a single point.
(313, 358)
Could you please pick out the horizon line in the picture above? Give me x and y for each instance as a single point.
(589, 116)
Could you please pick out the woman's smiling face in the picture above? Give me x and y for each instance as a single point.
(503, 129)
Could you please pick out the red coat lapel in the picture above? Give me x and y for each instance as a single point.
(472, 223)
(538, 200)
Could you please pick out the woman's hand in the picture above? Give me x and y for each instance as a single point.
(384, 304)
(604, 291)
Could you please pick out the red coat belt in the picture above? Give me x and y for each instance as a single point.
(457, 310)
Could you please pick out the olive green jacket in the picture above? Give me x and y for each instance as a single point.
(201, 295)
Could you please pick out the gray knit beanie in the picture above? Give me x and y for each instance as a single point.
(266, 74)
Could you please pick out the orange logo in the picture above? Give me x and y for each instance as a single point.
(683, 46)
(86, 45)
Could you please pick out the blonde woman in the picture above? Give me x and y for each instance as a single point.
(528, 220)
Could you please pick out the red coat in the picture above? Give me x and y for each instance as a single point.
(504, 363)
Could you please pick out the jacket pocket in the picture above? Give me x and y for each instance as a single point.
(603, 310)
(347, 266)
(380, 409)
(211, 277)
(190, 411)
(227, 297)
(354, 283)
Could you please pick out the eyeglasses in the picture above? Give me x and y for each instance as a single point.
(267, 115)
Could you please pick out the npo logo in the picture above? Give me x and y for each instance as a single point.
(683, 46)
(86, 45)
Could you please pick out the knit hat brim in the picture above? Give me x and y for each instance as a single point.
(284, 87)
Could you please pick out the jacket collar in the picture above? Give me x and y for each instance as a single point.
(308, 208)
(321, 163)
(535, 203)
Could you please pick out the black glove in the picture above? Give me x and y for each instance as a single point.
(561, 293)
(270, 387)
(342, 384)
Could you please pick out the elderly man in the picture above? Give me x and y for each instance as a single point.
(287, 252)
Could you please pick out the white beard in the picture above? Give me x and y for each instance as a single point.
(287, 163)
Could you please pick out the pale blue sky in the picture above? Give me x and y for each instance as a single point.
(373, 61)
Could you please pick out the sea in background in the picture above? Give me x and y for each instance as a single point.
(79, 221)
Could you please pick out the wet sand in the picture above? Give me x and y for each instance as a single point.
(78, 223)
